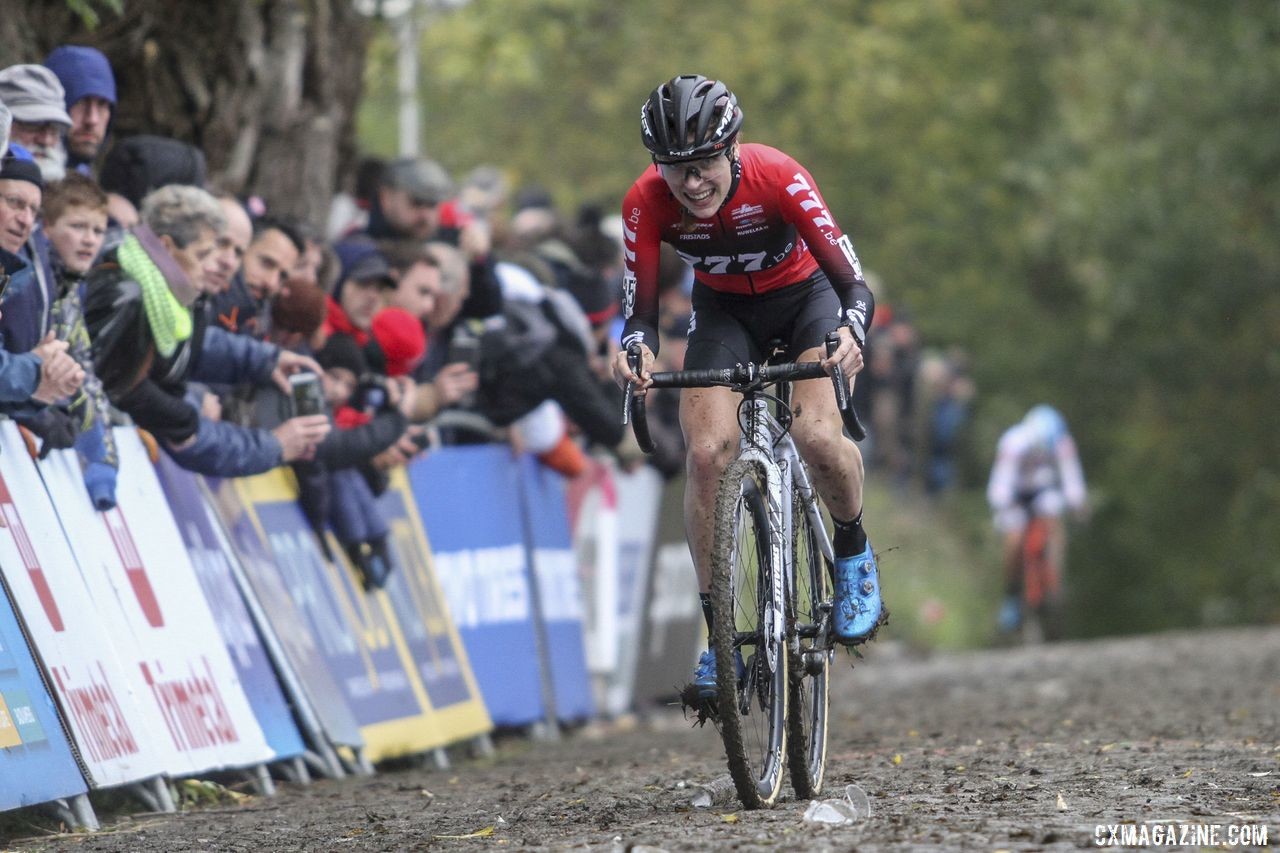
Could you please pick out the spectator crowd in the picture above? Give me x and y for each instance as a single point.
(421, 312)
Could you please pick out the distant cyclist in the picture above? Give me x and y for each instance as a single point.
(1036, 473)
(769, 262)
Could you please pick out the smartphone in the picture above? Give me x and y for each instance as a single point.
(4, 283)
(307, 394)
(466, 349)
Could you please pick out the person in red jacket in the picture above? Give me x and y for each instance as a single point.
(769, 262)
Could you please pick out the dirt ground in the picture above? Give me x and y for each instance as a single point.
(1021, 749)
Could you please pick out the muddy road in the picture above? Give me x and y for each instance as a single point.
(1021, 749)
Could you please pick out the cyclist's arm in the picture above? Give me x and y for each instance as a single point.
(1004, 475)
(802, 205)
(1073, 488)
(640, 247)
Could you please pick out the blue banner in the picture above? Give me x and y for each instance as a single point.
(555, 570)
(36, 764)
(468, 498)
(233, 504)
(209, 555)
(354, 637)
(422, 617)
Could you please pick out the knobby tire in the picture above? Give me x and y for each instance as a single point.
(754, 741)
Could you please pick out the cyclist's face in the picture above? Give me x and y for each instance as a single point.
(700, 185)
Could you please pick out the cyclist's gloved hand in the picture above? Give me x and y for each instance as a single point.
(848, 356)
(622, 372)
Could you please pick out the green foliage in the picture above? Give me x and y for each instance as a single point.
(1085, 195)
(87, 11)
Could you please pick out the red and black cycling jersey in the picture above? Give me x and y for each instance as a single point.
(773, 231)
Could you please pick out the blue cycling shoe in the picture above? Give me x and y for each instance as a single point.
(857, 606)
(704, 675)
(1010, 617)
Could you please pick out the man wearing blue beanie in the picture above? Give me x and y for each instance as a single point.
(90, 87)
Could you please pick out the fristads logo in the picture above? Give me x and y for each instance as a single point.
(697, 226)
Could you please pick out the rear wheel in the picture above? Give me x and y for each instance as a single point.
(810, 663)
(1041, 586)
(751, 664)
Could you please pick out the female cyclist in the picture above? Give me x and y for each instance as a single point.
(769, 262)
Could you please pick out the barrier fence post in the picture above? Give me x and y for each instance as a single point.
(83, 812)
(261, 780)
(550, 730)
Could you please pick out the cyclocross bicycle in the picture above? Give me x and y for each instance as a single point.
(771, 588)
(1041, 582)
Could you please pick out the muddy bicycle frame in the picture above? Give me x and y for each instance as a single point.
(766, 438)
(780, 481)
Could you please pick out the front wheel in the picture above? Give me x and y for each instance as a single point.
(751, 659)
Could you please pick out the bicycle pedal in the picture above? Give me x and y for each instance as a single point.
(815, 662)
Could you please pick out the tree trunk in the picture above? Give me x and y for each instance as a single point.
(266, 88)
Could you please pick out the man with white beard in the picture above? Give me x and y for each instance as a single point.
(36, 98)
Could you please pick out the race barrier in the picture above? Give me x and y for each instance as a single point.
(362, 639)
(593, 512)
(557, 600)
(643, 621)
(201, 625)
(486, 515)
(105, 705)
(36, 764)
(673, 631)
(297, 650)
(133, 557)
(639, 498)
(615, 517)
(212, 557)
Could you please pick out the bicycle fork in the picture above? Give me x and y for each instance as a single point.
(757, 444)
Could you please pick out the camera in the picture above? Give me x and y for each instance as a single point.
(371, 392)
(306, 394)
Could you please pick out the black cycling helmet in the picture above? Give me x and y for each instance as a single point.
(689, 118)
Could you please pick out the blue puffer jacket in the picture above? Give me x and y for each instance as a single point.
(19, 372)
(229, 359)
(226, 450)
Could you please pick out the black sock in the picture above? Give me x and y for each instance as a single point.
(705, 598)
(850, 539)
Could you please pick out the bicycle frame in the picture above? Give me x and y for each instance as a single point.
(766, 441)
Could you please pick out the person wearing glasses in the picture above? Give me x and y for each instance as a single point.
(769, 262)
(35, 367)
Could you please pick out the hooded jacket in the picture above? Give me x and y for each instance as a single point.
(83, 72)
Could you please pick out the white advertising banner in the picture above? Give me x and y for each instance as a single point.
(639, 496)
(674, 629)
(78, 634)
(592, 499)
(133, 557)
